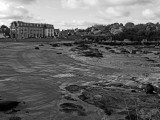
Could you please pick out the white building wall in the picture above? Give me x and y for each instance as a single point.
(46, 32)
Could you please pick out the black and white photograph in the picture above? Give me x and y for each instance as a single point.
(79, 59)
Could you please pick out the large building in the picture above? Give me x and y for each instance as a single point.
(23, 30)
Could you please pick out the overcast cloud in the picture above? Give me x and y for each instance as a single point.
(20, 1)
(65, 13)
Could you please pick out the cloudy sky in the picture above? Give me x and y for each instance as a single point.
(79, 13)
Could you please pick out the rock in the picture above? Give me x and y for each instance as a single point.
(83, 97)
(134, 91)
(55, 45)
(68, 44)
(97, 100)
(92, 53)
(67, 97)
(8, 105)
(59, 53)
(37, 48)
(73, 88)
(149, 89)
(95, 45)
(133, 51)
(98, 97)
(71, 107)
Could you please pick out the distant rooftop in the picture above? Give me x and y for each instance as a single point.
(27, 24)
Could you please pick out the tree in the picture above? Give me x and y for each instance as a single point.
(129, 25)
(5, 30)
(3, 27)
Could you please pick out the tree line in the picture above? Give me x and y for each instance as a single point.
(130, 31)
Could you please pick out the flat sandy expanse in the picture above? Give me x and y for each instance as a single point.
(58, 84)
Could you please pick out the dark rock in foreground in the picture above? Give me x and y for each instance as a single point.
(8, 105)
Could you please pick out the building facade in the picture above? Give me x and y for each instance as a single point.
(23, 30)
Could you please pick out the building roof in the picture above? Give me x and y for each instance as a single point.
(25, 24)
